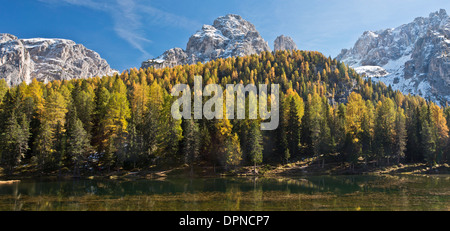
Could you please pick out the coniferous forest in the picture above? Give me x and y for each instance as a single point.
(124, 121)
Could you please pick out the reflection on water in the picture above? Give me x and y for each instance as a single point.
(231, 194)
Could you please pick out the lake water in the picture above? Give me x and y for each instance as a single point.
(304, 193)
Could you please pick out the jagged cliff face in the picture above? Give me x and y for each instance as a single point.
(284, 43)
(15, 60)
(412, 58)
(47, 60)
(229, 36)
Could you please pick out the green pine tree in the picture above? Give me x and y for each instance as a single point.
(255, 144)
(191, 143)
(78, 143)
(14, 141)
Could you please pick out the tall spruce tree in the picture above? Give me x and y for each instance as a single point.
(296, 112)
(78, 143)
(255, 144)
(384, 129)
(191, 143)
(43, 146)
(14, 141)
(400, 135)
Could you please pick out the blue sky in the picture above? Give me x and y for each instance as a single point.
(127, 32)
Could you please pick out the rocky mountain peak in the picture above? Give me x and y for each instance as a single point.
(233, 26)
(47, 60)
(412, 58)
(441, 14)
(230, 35)
(6, 37)
(284, 43)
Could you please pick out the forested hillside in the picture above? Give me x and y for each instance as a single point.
(125, 121)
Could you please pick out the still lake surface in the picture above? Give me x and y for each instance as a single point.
(303, 193)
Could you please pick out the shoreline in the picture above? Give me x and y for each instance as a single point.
(308, 167)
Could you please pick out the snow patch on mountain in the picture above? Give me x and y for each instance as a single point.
(412, 58)
(371, 71)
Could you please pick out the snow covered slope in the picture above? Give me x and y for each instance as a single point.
(412, 58)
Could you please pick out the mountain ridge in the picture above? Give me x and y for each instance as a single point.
(228, 36)
(47, 59)
(412, 58)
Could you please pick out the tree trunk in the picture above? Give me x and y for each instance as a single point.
(75, 170)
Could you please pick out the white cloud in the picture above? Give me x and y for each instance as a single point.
(93, 4)
(130, 18)
(128, 24)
